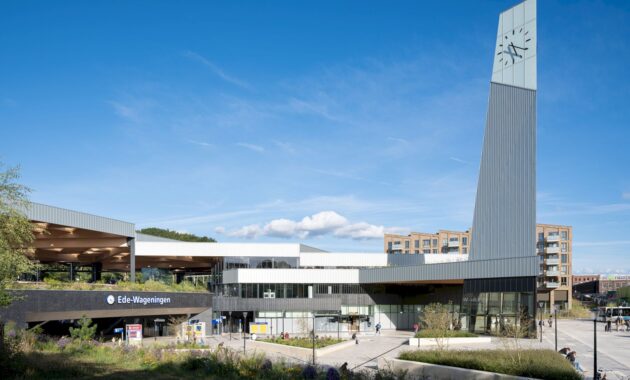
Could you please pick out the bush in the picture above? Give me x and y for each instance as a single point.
(304, 342)
(539, 364)
(444, 334)
(84, 332)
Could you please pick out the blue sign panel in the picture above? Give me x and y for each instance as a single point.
(118, 330)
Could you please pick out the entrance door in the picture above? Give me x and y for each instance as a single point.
(354, 324)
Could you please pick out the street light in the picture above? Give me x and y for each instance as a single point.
(244, 324)
(541, 304)
(230, 314)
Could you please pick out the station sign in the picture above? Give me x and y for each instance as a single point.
(136, 300)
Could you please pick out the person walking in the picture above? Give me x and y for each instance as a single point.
(608, 324)
(378, 328)
(550, 321)
(618, 323)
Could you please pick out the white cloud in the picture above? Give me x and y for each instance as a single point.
(625, 195)
(200, 143)
(216, 69)
(458, 160)
(248, 232)
(255, 148)
(322, 223)
(220, 230)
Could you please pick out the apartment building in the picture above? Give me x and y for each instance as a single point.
(419, 242)
(553, 246)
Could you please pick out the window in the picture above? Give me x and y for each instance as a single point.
(465, 240)
(564, 247)
(389, 246)
(416, 244)
(563, 282)
(454, 239)
(426, 242)
(426, 251)
(564, 235)
(406, 251)
(444, 241)
(435, 242)
(416, 251)
(434, 250)
(541, 236)
(406, 244)
(565, 259)
(565, 269)
(464, 250)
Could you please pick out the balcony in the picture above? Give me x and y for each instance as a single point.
(397, 247)
(552, 261)
(552, 273)
(551, 285)
(453, 243)
(553, 238)
(552, 249)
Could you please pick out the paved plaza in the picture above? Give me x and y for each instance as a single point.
(613, 348)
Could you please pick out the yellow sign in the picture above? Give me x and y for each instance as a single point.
(258, 328)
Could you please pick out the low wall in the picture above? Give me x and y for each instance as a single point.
(421, 342)
(419, 370)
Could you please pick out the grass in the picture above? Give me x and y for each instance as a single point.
(148, 286)
(304, 342)
(444, 334)
(539, 364)
(48, 359)
(578, 310)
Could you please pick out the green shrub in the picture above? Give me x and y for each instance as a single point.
(84, 332)
(539, 364)
(304, 342)
(444, 334)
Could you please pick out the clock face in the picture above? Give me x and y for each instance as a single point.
(513, 46)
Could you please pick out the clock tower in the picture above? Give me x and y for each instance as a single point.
(504, 221)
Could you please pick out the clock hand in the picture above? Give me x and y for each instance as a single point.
(514, 48)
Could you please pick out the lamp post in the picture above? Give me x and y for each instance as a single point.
(555, 317)
(244, 332)
(230, 314)
(313, 338)
(541, 304)
(595, 372)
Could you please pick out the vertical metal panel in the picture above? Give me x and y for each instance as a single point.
(504, 223)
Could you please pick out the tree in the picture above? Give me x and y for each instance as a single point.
(170, 234)
(16, 232)
(437, 317)
(84, 332)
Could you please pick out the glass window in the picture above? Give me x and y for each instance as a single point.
(563, 281)
(444, 241)
(416, 251)
(435, 251)
(426, 251)
(541, 236)
(389, 245)
(464, 250)
(465, 240)
(406, 243)
(564, 247)
(416, 244)
(435, 242)
(426, 242)
(565, 269)
(564, 235)
(564, 258)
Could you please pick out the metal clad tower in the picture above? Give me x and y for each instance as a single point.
(504, 222)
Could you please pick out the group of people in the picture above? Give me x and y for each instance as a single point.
(571, 356)
(620, 323)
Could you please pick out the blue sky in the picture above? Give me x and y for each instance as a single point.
(324, 122)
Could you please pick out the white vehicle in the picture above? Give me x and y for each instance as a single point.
(613, 312)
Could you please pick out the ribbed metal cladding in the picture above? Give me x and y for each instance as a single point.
(50, 214)
(508, 267)
(504, 222)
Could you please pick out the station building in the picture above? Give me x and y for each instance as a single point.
(293, 287)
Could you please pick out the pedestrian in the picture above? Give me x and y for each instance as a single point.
(378, 328)
(618, 323)
(565, 351)
(573, 360)
(608, 324)
(550, 321)
(415, 328)
(627, 324)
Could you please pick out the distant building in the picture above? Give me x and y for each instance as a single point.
(553, 247)
(599, 283)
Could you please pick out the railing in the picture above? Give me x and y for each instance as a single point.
(552, 249)
(553, 238)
